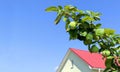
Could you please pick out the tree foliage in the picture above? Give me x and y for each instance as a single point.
(84, 26)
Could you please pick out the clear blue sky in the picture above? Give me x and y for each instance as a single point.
(29, 40)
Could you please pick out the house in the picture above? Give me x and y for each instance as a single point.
(77, 60)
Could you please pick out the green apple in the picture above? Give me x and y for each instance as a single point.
(106, 53)
(89, 36)
(94, 49)
(72, 25)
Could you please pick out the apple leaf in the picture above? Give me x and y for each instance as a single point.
(52, 8)
(99, 32)
(98, 26)
(58, 18)
(108, 63)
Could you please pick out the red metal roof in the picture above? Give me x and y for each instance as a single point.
(93, 59)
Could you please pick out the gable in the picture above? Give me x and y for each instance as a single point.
(71, 63)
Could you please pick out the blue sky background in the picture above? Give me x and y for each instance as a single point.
(29, 40)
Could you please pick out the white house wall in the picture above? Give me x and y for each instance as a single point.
(68, 67)
(75, 64)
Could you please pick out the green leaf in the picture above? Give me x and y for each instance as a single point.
(108, 63)
(112, 43)
(70, 8)
(97, 14)
(85, 25)
(58, 18)
(67, 7)
(83, 33)
(67, 25)
(107, 70)
(98, 26)
(87, 18)
(73, 16)
(96, 37)
(103, 46)
(109, 31)
(96, 18)
(89, 12)
(110, 57)
(80, 11)
(99, 32)
(115, 71)
(60, 7)
(52, 8)
(94, 15)
(86, 42)
(81, 38)
(73, 34)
